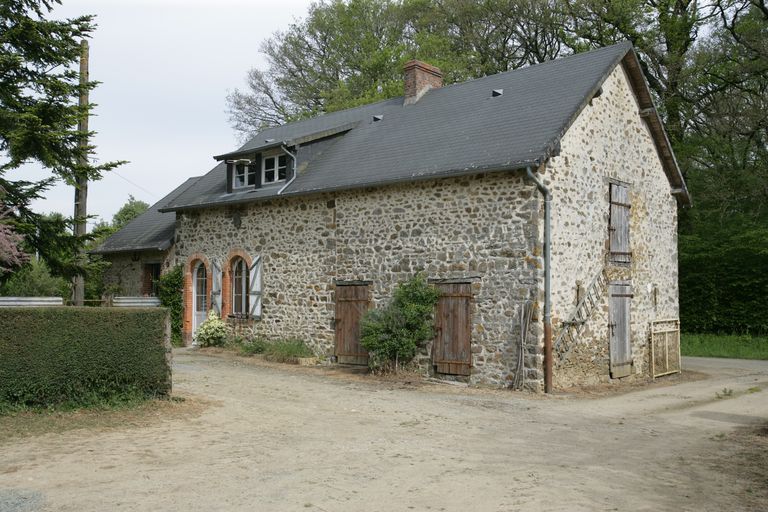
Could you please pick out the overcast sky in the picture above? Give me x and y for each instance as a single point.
(165, 68)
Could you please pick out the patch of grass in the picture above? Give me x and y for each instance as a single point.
(283, 350)
(727, 393)
(34, 422)
(87, 400)
(724, 345)
(249, 348)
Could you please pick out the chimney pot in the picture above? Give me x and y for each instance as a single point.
(420, 77)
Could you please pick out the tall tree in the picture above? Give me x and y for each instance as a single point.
(348, 53)
(39, 87)
(663, 33)
(129, 211)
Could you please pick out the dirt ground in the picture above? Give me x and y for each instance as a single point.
(260, 436)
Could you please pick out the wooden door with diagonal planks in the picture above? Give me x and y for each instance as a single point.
(453, 325)
(352, 301)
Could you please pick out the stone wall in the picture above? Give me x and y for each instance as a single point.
(125, 275)
(486, 229)
(610, 141)
(295, 240)
(479, 228)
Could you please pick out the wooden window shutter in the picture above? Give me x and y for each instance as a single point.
(216, 287)
(230, 177)
(618, 228)
(255, 288)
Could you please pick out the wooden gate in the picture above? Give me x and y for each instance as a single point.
(665, 347)
(352, 301)
(620, 293)
(453, 324)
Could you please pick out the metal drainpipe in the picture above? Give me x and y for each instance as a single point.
(295, 170)
(548, 359)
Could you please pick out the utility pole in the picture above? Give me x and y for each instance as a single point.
(81, 177)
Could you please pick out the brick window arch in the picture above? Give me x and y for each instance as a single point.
(229, 290)
(197, 266)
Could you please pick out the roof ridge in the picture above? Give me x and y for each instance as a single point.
(556, 60)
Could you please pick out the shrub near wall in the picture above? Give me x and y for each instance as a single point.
(50, 356)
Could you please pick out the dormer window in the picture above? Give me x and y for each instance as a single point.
(274, 169)
(244, 176)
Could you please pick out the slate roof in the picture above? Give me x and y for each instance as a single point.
(454, 130)
(152, 230)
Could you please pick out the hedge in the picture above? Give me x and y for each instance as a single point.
(56, 355)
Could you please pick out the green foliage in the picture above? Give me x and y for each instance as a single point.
(170, 293)
(706, 66)
(81, 356)
(394, 333)
(286, 350)
(39, 115)
(214, 332)
(251, 347)
(35, 280)
(724, 345)
(723, 281)
(249, 343)
(129, 211)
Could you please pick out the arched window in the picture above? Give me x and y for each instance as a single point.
(200, 295)
(239, 287)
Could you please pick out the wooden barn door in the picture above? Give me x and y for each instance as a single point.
(453, 324)
(352, 301)
(619, 328)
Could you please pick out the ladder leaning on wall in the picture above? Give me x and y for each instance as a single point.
(572, 327)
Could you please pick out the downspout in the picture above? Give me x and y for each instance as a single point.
(295, 170)
(548, 359)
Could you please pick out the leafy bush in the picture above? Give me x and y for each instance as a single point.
(247, 342)
(723, 283)
(251, 347)
(81, 356)
(35, 280)
(213, 333)
(170, 293)
(394, 333)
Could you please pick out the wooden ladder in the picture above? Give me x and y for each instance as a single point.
(571, 328)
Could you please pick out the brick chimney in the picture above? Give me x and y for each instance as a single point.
(420, 77)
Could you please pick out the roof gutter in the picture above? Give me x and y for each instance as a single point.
(548, 359)
(295, 170)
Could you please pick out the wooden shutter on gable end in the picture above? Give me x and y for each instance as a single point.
(619, 224)
(216, 287)
(255, 288)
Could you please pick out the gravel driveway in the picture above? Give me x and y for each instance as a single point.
(273, 437)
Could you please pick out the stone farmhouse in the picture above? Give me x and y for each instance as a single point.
(542, 202)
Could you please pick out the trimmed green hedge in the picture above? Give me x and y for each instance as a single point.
(56, 355)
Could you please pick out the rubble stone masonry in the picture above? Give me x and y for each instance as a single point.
(610, 141)
(486, 229)
(478, 228)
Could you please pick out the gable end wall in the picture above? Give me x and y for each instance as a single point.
(610, 141)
